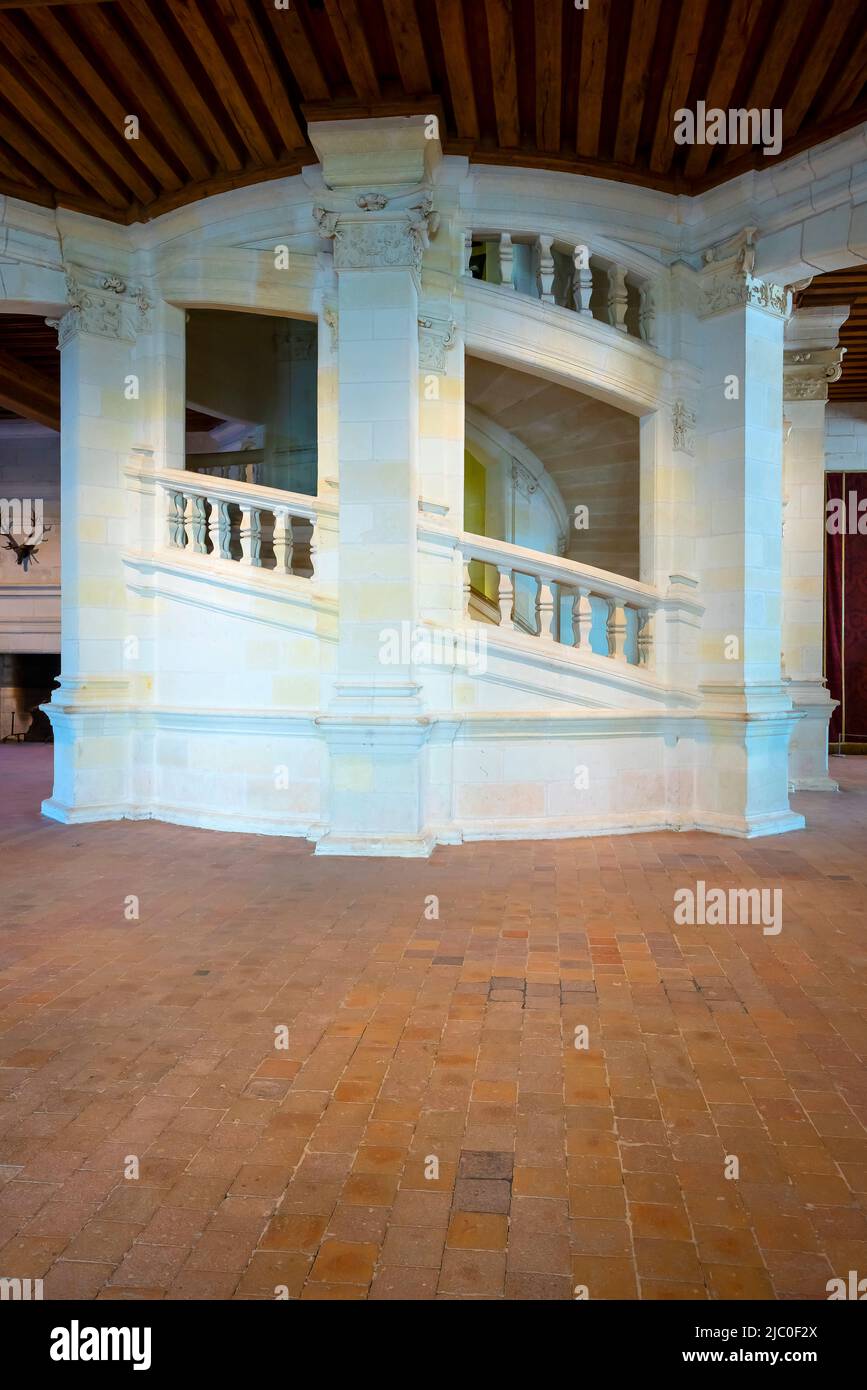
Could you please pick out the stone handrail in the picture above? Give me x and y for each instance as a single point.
(242, 522)
(628, 639)
(558, 270)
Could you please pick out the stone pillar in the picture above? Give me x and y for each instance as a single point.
(376, 210)
(98, 413)
(744, 784)
(812, 361)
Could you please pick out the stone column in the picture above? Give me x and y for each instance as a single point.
(812, 361)
(376, 210)
(98, 413)
(743, 786)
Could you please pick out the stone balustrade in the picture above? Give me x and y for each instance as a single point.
(558, 270)
(557, 600)
(260, 527)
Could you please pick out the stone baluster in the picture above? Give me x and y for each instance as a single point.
(582, 279)
(467, 586)
(506, 598)
(282, 541)
(507, 257)
(220, 529)
(468, 251)
(546, 269)
(199, 526)
(647, 315)
(303, 547)
(617, 298)
(616, 630)
(251, 537)
(546, 610)
(177, 519)
(644, 637)
(582, 620)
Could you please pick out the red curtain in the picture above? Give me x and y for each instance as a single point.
(846, 609)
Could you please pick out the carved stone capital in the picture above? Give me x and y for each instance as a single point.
(808, 372)
(102, 305)
(379, 231)
(523, 480)
(729, 281)
(436, 334)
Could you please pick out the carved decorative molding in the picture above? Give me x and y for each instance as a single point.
(523, 479)
(683, 424)
(729, 281)
(435, 336)
(808, 372)
(329, 316)
(105, 308)
(375, 231)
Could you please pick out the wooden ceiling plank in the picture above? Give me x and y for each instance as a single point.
(642, 31)
(154, 38)
(155, 106)
(408, 47)
(458, 71)
(504, 72)
(87, 76)
(594, 23)
(348, 29)
(13, 167)
(299, 54)
(54, 78)
(684, 53)
(845, 92)
(814, 70)
(52, 126)
(190, 16)
(790, 21)
(247, 37)
(742, 18)
(549, 74)
(28, 391)
(42, 161)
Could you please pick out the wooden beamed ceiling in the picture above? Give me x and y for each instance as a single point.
(223, 89)
(845, 287)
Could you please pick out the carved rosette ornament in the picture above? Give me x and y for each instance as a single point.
(377, 232)
(102, 305)
(808, 372)
(729, 282)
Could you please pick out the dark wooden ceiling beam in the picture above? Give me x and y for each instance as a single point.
(743, 15)
(774, 64)
(298, 52)
(48, 74)
(453, 32)
(348, 30)
(154, 38)
(642, 31)
(155, 107)
(678, 78)
(201, 32)
(51, 124)
(29, 392)
(822, 50)
(851, 82)
(549, 74)
(70, 55)
(247, 37)
(504, 71)
(594, 23)
(408, 47)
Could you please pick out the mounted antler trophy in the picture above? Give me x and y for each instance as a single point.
(25, 551)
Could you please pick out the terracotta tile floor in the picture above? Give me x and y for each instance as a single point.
(429, 1129)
